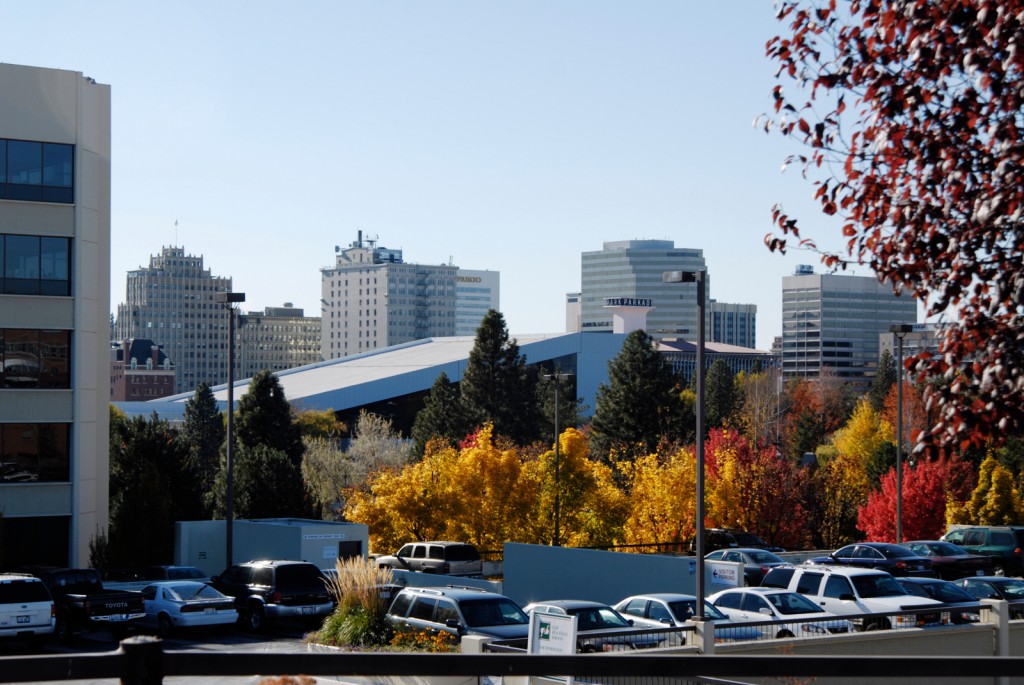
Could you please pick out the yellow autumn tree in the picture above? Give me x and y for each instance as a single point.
(856, 443)
(662, 500)
(411, 504)
(995, 501)
(496, 495)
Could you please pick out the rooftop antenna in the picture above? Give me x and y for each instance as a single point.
(175, 232)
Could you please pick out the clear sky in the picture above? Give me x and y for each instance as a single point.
(510, 136)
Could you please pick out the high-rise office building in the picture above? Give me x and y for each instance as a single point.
(834, 321)
(372, 298)
(734, 324)
(635, 269)
(172, 302)
(476, 293)
(276, 339)
(54, 314)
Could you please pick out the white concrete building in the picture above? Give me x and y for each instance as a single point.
(54, 314)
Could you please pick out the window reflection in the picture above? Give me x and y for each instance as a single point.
(32, 452)
(35, 358)
(39, 172)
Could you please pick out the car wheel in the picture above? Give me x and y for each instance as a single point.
(877, 625)
(257, 619)
(588, 649)
(784, 633)
(63, 630)
(164, 626)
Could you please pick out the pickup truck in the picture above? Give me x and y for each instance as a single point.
(82, 603)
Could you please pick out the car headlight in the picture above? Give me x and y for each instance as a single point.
(814, 629)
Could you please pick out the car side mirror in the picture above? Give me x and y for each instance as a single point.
(668, 621)
(629, 621)
(765, 610)
(454, 623)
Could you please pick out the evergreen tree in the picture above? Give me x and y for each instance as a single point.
(203, 435)
(147, 478)
(443, 416)
(640, 406)
(885, 378)
(265, 418)
(496, 386)
(267, 484)
(720, 396)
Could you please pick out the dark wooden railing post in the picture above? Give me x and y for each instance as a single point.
(143, 660)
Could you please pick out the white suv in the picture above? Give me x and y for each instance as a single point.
(26, 608)
(854, 591)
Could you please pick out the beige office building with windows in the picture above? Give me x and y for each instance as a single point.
(54, 314)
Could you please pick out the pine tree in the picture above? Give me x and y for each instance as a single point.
(641, 404)
(203, 434)
(443, 416)
(265, 418)
(496, 385)
(885, 378)
(720, 396)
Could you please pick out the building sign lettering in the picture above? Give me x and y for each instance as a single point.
(628, 302)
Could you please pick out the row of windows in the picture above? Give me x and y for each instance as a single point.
(35, 452)
(35, 358)
(35, 265)
(39, 172)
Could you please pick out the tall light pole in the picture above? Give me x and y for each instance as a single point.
(697, 277)
(230, 302)
(900, 330)
(557, 377)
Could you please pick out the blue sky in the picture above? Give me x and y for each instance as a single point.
(506, 136)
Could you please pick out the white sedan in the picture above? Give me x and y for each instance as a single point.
(185, 604)
(788, 611)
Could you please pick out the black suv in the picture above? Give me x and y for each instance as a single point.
(268, 590)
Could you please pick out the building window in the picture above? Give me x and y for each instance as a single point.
(35, 358)
(39, 172)
(32, 452)
(35, 265)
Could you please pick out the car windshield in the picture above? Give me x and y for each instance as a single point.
(683, 610)
(947, 592)
(764, 558)
(877, 585)
(492, 612)
(1013, 589)
(598, 618)
(947, 549)
(788, 603)
(187, 591)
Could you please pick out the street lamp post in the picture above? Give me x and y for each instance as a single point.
(697, 277)
(230, 302)
(900, 330)
(557, 377)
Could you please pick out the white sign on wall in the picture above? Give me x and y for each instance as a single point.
(724, 574)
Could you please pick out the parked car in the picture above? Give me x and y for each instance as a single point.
(270, 590)
(997, 587)
(949, 561)
(1004, 544)
(13, 472)
(174, 604)
(459, 611)
(881, 556)
(789, 609)
(962, 606)
(27, 611)
(599, 628)
(667, 609)
(715, 539)
(756, 562)
(745, 539)
(448, 558)
(854, 591)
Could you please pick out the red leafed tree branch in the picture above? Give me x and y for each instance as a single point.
(910, 114)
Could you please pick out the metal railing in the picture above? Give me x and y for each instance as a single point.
(142, 661)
